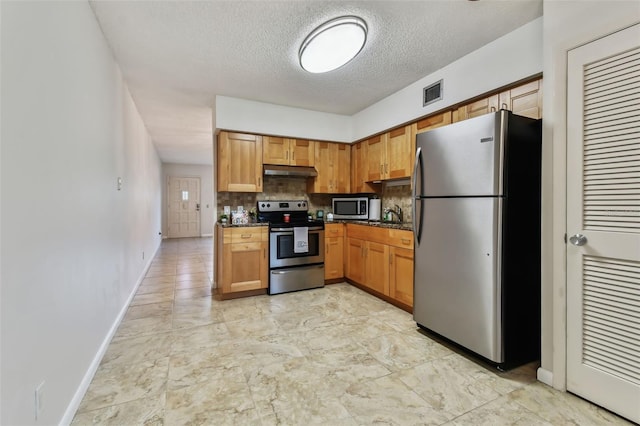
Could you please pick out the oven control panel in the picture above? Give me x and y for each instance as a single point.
(282, 206)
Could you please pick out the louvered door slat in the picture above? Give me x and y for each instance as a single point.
(611, 307)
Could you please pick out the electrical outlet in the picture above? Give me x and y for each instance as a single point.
(39, 400)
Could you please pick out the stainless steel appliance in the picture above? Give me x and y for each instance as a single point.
(476, 190)
(350, 208)
(296, 246)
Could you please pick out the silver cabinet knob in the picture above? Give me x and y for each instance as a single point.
(578, 240)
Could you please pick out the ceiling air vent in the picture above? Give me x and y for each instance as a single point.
(432, 93)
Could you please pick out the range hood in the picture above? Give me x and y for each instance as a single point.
(299, 171)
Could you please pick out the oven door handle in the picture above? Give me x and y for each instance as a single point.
(286, 271)
(290, 230)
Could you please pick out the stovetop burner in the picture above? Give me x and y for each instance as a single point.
(274, 211)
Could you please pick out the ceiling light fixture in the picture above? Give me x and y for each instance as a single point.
(333, 44)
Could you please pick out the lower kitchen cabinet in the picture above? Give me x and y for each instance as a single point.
(401, 275)
(242, 261)
(376, 262)
(381, 260)
(355, 259)
(334, 251)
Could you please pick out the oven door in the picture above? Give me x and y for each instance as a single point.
(281, 248)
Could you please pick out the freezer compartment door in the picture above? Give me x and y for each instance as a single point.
(457, 280)
(463, 159)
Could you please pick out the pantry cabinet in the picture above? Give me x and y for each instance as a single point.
(288, 152)
(334, 251)
(242, 261)
(390, 155)
(239, 162)
(333, 164)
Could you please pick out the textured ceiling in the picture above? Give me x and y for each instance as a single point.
(177, 56)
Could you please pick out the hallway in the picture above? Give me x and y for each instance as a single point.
(334, 355)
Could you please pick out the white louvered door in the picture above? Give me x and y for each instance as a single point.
(603, 205)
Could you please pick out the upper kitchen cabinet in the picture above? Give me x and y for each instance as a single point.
(359, 170)
(390, 156)
(239, 158)
(477, 108)
(288, 152)
(525, 100)
(432, 122)
(333, 163)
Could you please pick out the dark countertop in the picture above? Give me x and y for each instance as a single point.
(244, 225)
(406, 226)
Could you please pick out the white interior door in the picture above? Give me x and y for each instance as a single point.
(183, 209)
(603, 222)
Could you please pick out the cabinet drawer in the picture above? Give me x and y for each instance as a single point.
(368, 233)
(400, 238)
(333, 230)
(246, 235)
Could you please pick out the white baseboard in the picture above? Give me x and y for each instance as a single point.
(545, 376)
(206, 235)
(70, 412)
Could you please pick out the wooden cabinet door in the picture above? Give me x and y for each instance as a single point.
(477, 108)
(334, 257)
(245, 267)
(275, 150)
(400, 153)
(526, 100)
(239, 162)
(376, 154)
(342, 169)
(359, 176)
(355, 260)
(433, 122)
(401, 275)
(322, 183)
(302, 153)
(377, 267)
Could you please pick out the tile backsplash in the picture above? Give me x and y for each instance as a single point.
(276, 188)
(400, 195)
(295, 188)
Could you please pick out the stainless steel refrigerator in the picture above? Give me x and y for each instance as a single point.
(476, 212)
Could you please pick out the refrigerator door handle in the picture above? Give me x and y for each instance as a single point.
(417, 224)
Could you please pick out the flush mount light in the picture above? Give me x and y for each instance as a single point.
(333, 44)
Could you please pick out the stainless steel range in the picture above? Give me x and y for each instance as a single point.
(296, 246)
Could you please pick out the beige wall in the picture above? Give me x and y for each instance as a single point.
(71, 242)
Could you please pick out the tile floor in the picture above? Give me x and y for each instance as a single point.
(334, 356)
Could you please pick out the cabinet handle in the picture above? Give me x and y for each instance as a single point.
(286, 155)
(390, 259)
(406, 241)
(327, 249)
(386, 167)
(381, 169)
(245, 235)
(259, 180)
(264, 253)
(293, 155)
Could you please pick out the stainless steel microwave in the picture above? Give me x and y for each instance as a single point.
(351, 208)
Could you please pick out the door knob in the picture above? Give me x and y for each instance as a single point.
(578, 240)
